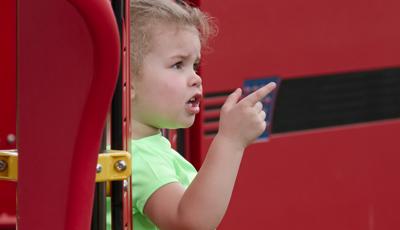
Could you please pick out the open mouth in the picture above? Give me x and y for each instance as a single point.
(193, 104)
(194, 101)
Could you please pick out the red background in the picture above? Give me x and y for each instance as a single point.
(332, 178)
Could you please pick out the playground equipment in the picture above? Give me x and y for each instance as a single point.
(329, 159)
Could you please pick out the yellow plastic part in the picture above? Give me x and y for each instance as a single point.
(109, 162)
(111, 165)
(8, 165)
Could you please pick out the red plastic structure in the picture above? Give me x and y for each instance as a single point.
(68, 58)
(8, 68)
(342, 177)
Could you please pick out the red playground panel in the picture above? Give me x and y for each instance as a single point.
(309, 175)
(8, 27)
(68, 59)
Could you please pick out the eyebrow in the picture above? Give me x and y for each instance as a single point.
(182, 56)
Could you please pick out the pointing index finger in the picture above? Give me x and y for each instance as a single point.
(259, 94)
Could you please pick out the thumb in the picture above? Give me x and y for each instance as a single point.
(233, 98)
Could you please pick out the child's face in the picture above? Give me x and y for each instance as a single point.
(168, 90)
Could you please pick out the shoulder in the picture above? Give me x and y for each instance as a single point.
(151, 163)
(150, 172)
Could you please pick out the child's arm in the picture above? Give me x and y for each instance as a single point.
(205, 201)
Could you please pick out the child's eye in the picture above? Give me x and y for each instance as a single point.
(196, 67)
(178, 65)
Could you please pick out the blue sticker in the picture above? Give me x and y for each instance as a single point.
(268, 102)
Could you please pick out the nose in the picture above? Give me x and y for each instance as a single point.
(195, 80)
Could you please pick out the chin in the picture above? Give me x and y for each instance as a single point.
(187, 124)
(179, 123)
(180, 126)
(184, 126)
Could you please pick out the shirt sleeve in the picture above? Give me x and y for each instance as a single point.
(149, 173)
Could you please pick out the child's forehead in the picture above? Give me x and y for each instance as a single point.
(173, 44)
(161, 32)
(163, 27)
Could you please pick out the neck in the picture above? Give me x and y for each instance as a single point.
(140, 130)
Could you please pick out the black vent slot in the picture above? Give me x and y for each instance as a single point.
(212, 106)
(337, 99)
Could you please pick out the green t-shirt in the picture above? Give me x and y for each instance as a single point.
(154, 164)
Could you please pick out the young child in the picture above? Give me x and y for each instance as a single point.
(166, 91)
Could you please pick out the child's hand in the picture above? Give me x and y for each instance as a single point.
(242, 122)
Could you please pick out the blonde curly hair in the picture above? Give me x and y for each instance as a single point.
(145, 14)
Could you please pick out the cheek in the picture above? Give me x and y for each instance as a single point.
(161, 95)
(171, 88)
